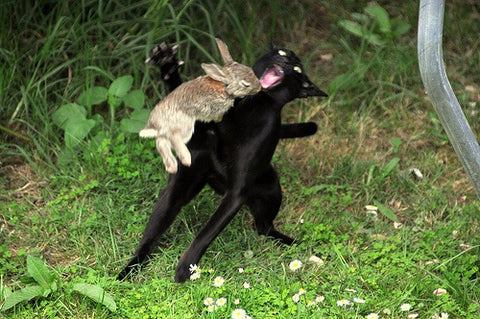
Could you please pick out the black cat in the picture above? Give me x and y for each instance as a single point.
(232, 156)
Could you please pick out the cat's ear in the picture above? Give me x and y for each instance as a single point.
(273, 46)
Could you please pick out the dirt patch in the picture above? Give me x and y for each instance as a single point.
(21, 183)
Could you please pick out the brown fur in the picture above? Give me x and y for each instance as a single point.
(205, 99)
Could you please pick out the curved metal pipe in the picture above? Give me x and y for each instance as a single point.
(432, 70)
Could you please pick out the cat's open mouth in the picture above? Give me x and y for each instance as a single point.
(272, 76)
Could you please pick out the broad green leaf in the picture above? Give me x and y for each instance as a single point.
(97, 294)
(121, 86)
(68, 112)
(360, 17)
(136, 122)
(76, 131)
(93, 96)
(114, 101)
(42, 275)
(375, 39)
(135, 99)
(353, 27)
(25, 294)
(400, 28)
(4, 291)
(386, 211)
(396, 141)
(381, 16)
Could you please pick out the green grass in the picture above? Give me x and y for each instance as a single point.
(83, 210)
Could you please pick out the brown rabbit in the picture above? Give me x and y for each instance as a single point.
(205, 99)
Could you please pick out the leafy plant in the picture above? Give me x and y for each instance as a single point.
(375, 25)
(47, 283)
(76, 118)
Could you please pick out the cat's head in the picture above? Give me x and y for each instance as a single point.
(280, 69)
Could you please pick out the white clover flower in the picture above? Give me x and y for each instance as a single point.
(373, 315)
(212, 308)
(296, 298)
(430, 262)
(444, 315)
(371, 208)
(194, 276)
(343, 302)
(358, 300)
(241, 270)
(295, 265)
(218, 281)
(405, 307)
(397, 225)
(246, 285)
(317, 260)
(239, 314)
(310, 303)
(221, 302)
(439, 292)
(208, 301)
(236, 301)
(319, 299)
(302, 291)
(193, 268)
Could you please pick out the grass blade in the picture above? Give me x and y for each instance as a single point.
(389, 168)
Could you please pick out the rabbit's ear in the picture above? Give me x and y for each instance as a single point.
(215, 72)
(227, 58)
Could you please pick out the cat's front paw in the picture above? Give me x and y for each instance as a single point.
(165, 56)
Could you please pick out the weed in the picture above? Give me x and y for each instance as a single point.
(47, 284)
(378, 31)
(72, 117)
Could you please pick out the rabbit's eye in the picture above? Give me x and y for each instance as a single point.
(297, 69)
(245, 83)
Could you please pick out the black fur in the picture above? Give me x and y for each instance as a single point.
(233, 157)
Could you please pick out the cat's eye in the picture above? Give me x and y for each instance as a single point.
(297, 69)
(245, 83)
(282, 53)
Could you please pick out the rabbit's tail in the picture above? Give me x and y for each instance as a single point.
(148, 133)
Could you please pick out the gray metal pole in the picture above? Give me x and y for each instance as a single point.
(432, 70)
